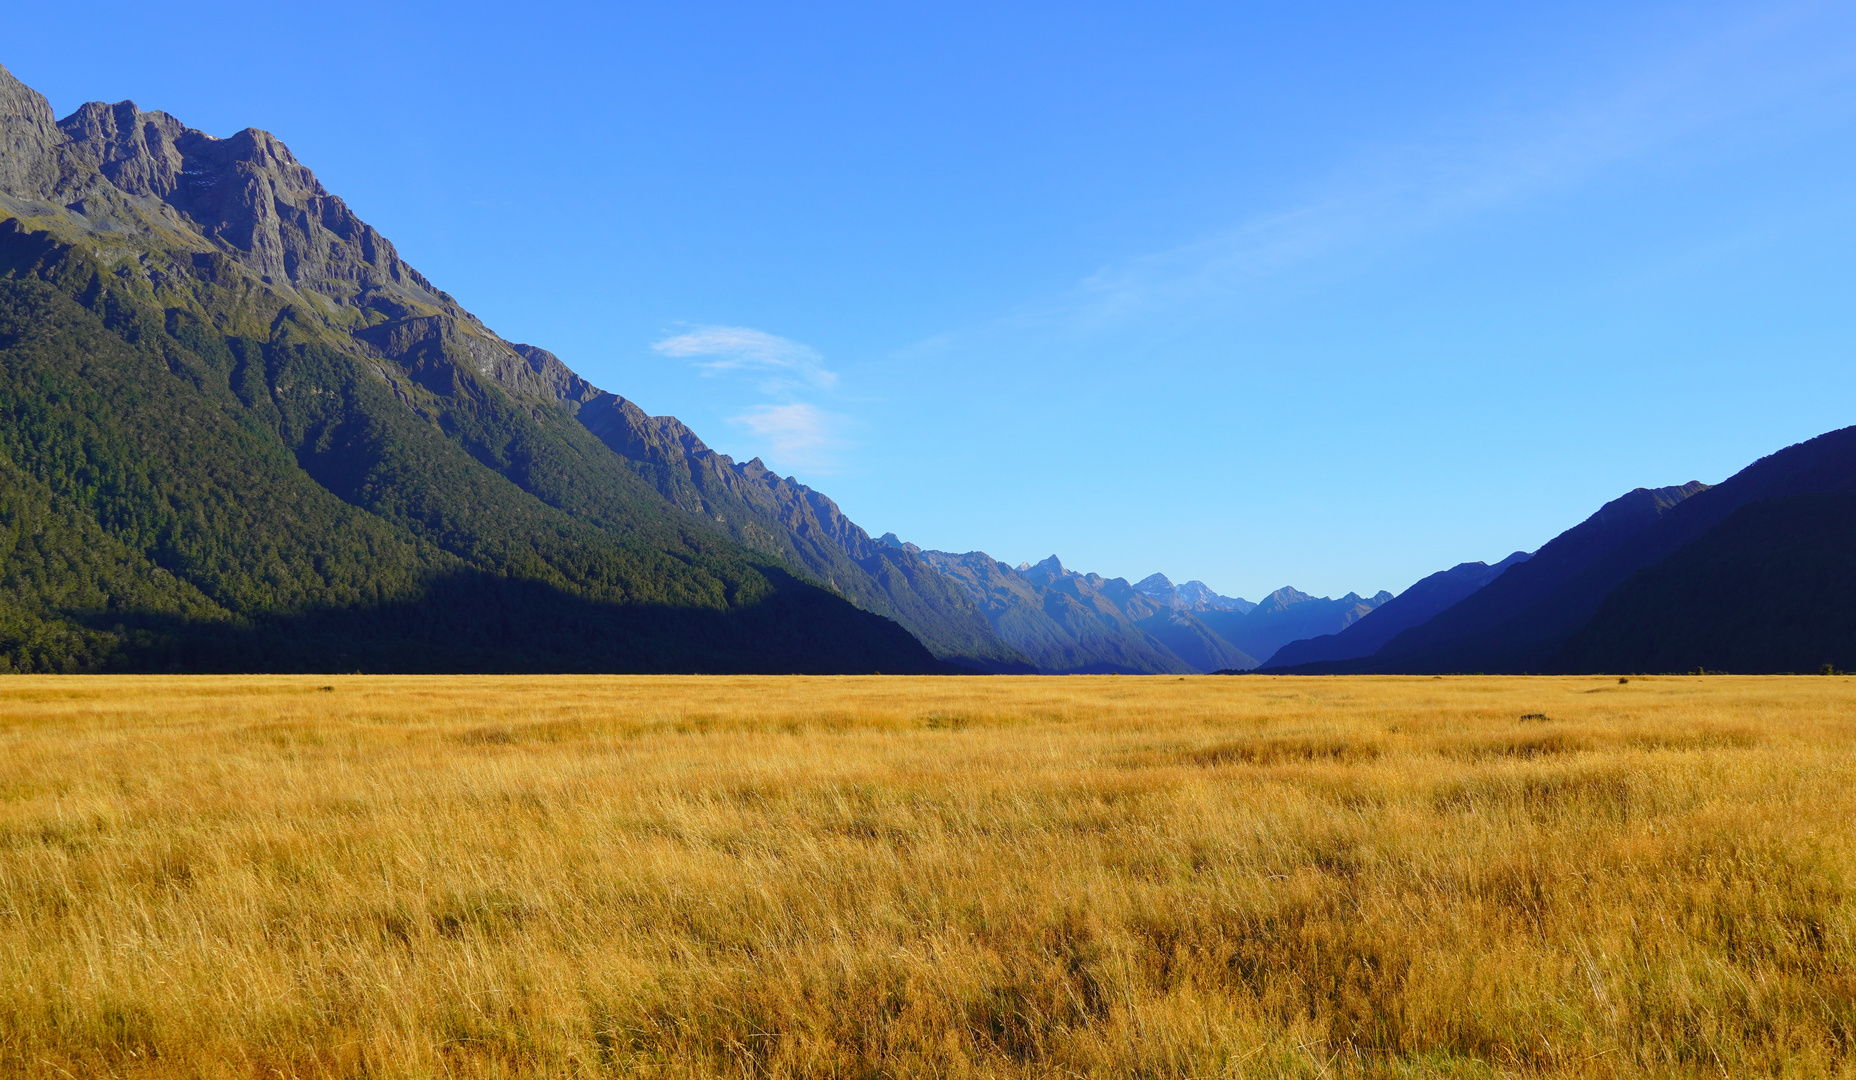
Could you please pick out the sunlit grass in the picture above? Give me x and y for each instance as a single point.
(862, 877)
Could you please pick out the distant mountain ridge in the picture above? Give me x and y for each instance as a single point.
(1192, 596)
(1420, 603)
(1178, 631)
(1288, 614)
(1063, 623)
(1070, 622)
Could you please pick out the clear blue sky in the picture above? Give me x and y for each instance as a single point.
(1330, 295)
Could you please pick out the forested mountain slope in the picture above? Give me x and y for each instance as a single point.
(801, 526)
(1770, 589)
(240, 433)
(1516, 622)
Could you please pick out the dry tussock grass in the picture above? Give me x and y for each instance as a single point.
(866, 877)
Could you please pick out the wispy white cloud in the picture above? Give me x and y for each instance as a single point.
(1772, 58)
(798, 435)
(790, 432)
(784, 365)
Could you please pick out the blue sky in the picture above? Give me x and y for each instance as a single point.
(1331, 295)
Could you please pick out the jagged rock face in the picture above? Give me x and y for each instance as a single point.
(116, 169)
(548, 377)
(147, 181)
(246, 192)
(134, 150)
(667, 441)
(29, 138)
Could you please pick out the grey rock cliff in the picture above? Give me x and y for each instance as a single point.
(29, 140)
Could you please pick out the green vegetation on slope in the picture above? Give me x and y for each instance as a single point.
(312, 514)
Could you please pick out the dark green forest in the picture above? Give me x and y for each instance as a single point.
(174, 496)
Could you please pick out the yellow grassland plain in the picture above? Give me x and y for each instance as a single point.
(934, 877)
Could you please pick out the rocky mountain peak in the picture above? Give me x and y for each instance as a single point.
(1044, 572)
(136, 151)
(118, 170)
(28, 139)
(1643, 505)
(146, 184)
(1157, 587)
(1283, 598)
(1199, 597)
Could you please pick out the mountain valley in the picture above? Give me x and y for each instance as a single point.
(239, 433)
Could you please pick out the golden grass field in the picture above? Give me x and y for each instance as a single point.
(874, 877)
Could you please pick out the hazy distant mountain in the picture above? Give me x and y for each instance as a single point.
(1175, 628)
(1192, 596)
(1067, 622)
(1286, 615)
(1198, 597)
(1413, 607)
(249, 436)
(1062, 631)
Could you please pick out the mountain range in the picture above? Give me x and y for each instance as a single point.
(1074, 623)
(238, 433)
(242, 433)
